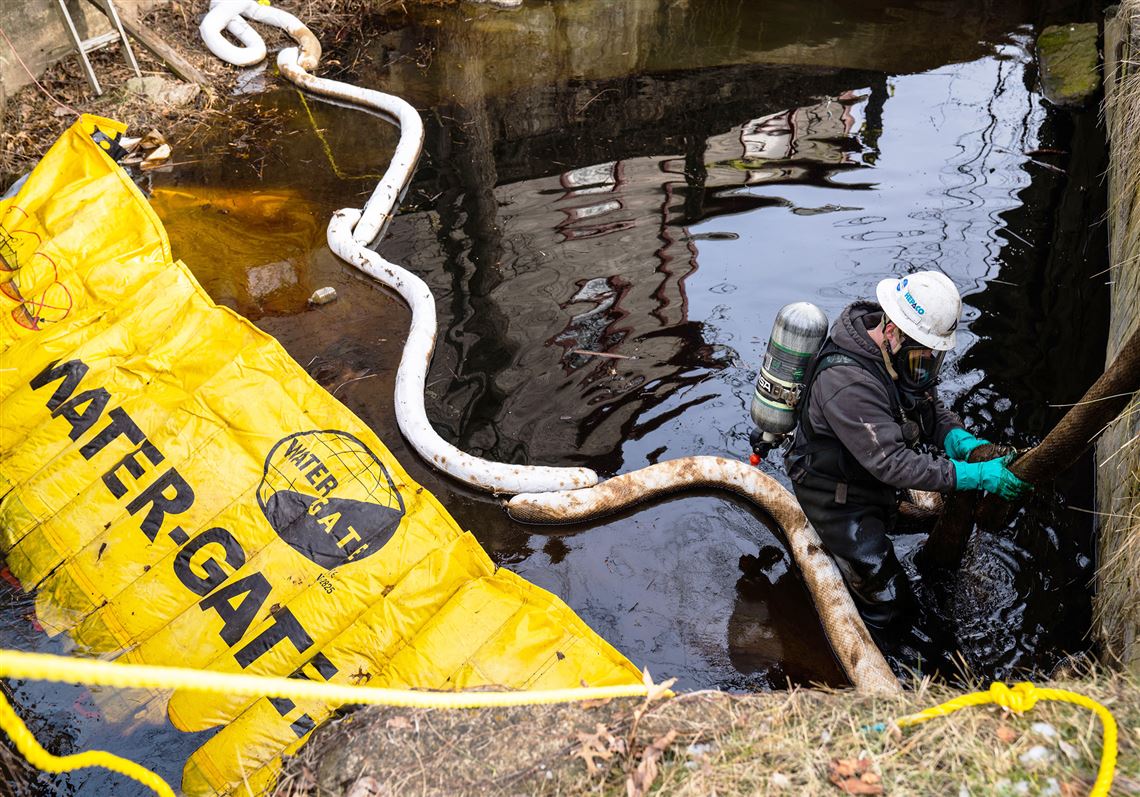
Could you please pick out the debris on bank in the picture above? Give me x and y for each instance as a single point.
(803, 742)
(323, 296)
(32, 118)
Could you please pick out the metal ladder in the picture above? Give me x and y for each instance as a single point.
(85, 46)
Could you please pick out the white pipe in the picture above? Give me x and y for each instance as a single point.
(350, 231)
(495, 477)
(853, 646)
(226, 14)
(385, 199)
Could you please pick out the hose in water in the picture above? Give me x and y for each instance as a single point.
(861, 659)
(352, 230)
(1106, 399)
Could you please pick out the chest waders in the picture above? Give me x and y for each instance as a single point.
(851, 509)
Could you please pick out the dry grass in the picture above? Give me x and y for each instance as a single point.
(776, 743)
(1116, 606)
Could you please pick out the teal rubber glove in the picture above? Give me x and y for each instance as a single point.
(959, 443)
(993, 476)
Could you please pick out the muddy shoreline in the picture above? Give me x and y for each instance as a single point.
(715, 743)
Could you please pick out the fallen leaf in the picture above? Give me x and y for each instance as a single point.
(655, 690)
(398, 723)
(599, 744)
(152, 140)
(854, 776)
(368, 786)
(844, 767)
(307, 781)
(596, 703)
(1007, 734)
(157, 157)
(641, 779)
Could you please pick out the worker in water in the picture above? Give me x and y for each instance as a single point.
(870, 425)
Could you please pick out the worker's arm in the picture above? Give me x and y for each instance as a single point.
(856, 408)
(946, 422)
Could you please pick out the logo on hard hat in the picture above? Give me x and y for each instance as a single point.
(918, 308)
(329, 497)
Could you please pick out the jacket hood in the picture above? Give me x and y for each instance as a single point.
(850, 329)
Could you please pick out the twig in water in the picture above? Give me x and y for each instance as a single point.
(1008, 231)
(1048, 166)
(602, 354)
(599, 94)
(350, 381)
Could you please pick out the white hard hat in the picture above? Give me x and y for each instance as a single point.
(925, 306)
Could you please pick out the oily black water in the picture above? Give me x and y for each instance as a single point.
(614, 201)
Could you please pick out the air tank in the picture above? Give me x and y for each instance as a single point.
(797, 333)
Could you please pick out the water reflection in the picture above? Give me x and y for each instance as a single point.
(559, 43)
(267, 237)
(598, 263)
(674, 262)
(608, 249)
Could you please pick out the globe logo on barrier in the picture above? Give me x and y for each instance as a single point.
(329, 497)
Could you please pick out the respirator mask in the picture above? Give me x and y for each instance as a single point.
(917, 366)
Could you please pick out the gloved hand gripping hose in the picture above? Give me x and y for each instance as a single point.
(992, 475)
(1101, 404)
(959, 443)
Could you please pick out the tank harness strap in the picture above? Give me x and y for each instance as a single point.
(816, 444)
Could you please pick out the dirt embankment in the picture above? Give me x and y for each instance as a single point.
(804, 742)
(34, 116)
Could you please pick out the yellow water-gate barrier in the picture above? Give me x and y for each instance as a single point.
(180, 492)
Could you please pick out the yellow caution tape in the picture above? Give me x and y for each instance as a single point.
(1021, 698)
(43, 760)
(44, 667)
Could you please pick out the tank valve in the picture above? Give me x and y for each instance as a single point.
(762, 443)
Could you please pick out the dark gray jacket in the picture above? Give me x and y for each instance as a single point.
(852, 405)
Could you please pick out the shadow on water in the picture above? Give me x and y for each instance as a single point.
(614, 201)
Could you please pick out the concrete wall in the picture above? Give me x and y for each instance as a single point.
(36, 28)
(1117, 600)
